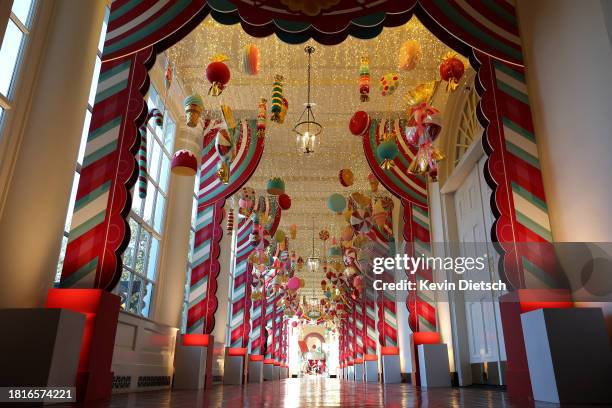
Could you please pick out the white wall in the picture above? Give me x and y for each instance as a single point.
(569, 62)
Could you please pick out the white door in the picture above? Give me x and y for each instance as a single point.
(474, 219)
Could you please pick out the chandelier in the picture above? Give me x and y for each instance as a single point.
(313, 262)
(308, 129)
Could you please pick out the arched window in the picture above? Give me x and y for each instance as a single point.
(469, 128)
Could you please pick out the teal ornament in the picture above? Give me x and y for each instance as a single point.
(275, 186)
(387, 151)
(337, 203)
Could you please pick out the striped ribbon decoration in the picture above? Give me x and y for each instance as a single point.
(269, 316)
(142, 163)
(240, 297)
(351, 335)
(387, 308)
(369, 319)
(514, 166)
(359, 328)
(98, 229)
(211, 200)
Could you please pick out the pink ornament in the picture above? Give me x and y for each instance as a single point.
(293, 283)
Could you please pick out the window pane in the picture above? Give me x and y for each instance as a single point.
(9, 54)
(21, 9)
(147, 297)
(141, 256)
(152, 267)
(148, 207)
(136, 200)
(123, 288)
(84, 136)
(103, 31)
(134, 302)
(169, 130)
(155, 161)
(75, 185)
(159, 213)
(94, 82)
(164, 173)
(128, 255)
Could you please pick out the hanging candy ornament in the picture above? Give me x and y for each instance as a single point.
(225, 150)
(250, 59)
(168, 76)
(364, 79)
(261, 117)
(426, 161)
(157, 117)
(283, 112)
(279, 236)
(420, 115)
(361, 221)
(275, 186)
(277, 98)
(336, 202)
(347, 233)
(194, 106)
(389, 84)
(184, 163)
(346, 177)
(246, 201)
(324, 235)
(142, 163)
(228, 116)
(293, 231)
(230, 221)
(373, 181)
(360, 123)
(379, 215)
(421, 93)
(409, 55)
(284, 201)
(293, 283)
(218, 74)
(451, 71)
(387, 151)
(360, 200)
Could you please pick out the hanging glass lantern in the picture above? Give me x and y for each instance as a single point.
(308, 130)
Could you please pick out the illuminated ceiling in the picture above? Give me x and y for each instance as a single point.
(309, 181)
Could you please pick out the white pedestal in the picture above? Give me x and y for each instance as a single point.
(351, 373)
(256, 371)
(233, 367)
(370, 368)
(344, 373)
(284, 372)
(268, 372)
(391, 369)
(568, 352)
(40, 347)
(277, 372)
(358, 372)
(433, 365)
(191, 365)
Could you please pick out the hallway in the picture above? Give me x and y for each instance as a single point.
(317, 392)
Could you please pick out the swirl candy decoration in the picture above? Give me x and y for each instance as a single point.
(277, 99)
(364, 79)
(261, 117)
(142, 163)
(251, 59)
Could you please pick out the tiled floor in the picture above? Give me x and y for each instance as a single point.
(318, 392)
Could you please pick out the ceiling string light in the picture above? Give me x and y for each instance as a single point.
(308, 129)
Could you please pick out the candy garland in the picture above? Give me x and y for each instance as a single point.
(277, 98)
(261, 117)
(364, 79)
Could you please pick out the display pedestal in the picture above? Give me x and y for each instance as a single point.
(511, 305)
(193, 361)
(433, 365)
(40, 347)
(351, 371)
(358, 367)
(268, 370)
(391, 367)
(284, 372)
(416, 339)
(255, 371)
(568, 354)
(370, 368)
(234, 365)
(276, 370)
(101, 309)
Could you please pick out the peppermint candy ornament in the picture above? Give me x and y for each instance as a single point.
(361, 221)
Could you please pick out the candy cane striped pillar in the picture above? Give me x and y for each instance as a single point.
(369, 337)
(359, 338)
